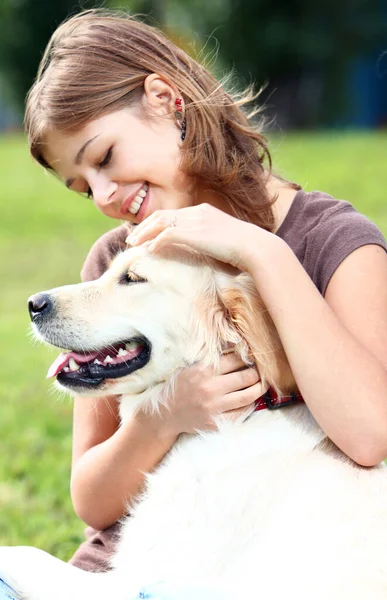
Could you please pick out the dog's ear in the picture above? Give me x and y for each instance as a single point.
(246, 317)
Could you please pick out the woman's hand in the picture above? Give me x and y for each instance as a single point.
(204, 228)
(200, 394)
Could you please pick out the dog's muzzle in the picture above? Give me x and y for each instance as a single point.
(83, 368)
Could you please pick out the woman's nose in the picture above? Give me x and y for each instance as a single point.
(103, 193)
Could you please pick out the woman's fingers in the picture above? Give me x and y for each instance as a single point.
(235, 413)
(235, 377)
(242, 398)
(229, 363)
(151, 227)
(238, 380)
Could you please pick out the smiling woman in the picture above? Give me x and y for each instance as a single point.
(138, 108)
(120, 113)
(128, 165)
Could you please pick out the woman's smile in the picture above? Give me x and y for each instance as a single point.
(133, 203)
(122, 152)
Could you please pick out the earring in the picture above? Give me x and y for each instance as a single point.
(179, 117)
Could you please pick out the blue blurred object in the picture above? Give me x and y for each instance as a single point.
(367, 89)
(7, 593)
(164, 591)
(158, 591)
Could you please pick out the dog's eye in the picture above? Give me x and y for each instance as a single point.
(129, 277)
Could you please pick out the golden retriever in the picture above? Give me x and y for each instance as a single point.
(263, 507)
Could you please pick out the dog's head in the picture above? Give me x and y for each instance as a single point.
(149, 315)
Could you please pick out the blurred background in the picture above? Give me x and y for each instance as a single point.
(323, 66)
(324, 63)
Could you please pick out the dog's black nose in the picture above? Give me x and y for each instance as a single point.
(39, 305)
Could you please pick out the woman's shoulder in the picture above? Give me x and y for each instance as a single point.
(319, 216)
(322, 231)
(311, 210)
(103, 251)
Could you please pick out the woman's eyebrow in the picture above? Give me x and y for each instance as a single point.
(78, 159)
(79, 156)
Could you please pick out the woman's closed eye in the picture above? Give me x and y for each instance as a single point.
(106, 159)
(103, 163)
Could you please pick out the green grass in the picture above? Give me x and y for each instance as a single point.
(45, 234)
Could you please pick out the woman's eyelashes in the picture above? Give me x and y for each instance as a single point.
(107, 158)
(103, 163)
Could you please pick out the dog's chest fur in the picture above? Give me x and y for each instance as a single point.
(254, 494)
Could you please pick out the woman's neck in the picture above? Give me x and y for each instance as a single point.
(285, 196)
(276, 188)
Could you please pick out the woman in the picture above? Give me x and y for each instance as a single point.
(121, 114)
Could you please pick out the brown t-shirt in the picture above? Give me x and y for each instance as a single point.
(320, 230)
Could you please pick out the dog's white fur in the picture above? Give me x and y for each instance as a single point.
(265, 507)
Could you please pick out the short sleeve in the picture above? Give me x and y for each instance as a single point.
(102, 253)
(335, 238)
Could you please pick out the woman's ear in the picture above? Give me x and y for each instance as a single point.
(249, 318)
(159, 96)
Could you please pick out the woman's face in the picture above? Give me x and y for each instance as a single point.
(127, 161)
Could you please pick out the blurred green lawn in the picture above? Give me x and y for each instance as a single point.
(45, 234)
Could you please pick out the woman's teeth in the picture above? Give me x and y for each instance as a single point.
(138, 200)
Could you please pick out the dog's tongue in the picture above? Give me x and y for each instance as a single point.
(64, 358)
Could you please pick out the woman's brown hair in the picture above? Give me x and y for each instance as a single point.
(97, 62)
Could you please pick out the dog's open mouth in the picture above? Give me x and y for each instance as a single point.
(90, 369)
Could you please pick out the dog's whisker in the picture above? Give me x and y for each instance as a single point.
(109, 407)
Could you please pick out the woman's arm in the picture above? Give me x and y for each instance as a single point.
(337, 346)
(109, 461)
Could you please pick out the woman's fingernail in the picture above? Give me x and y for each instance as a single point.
(131, 240)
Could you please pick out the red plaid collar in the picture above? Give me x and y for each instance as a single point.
(271, 400)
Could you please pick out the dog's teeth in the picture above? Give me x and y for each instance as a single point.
(108, 359)
(97, 362)
(66, 369)
(74, 366)
(131, 346)
(122, 352)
